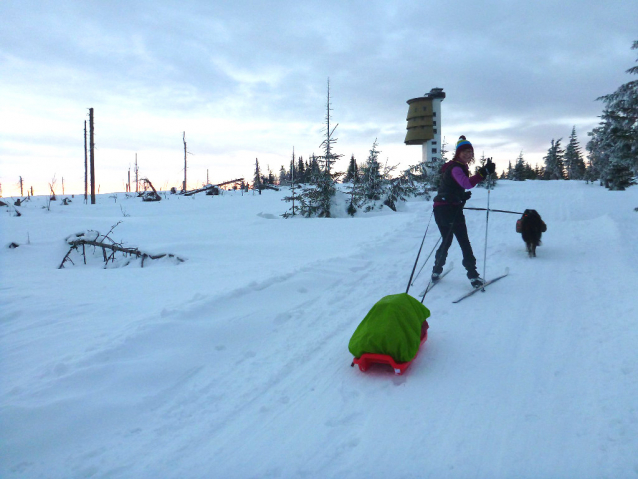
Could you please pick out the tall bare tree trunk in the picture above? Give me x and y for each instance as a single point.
(92, 156)
(185, 152)
(137, 181)
(86, 168)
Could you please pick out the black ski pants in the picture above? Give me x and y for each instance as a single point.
(451, 221)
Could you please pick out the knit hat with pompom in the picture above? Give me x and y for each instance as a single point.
(463, 144)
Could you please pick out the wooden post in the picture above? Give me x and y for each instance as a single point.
(92, 155)
(86, 168)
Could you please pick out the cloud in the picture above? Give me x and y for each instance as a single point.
(247, 79)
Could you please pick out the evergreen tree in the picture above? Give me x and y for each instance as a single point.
(528, 172)
(294, 188)
(418, 177)
(283, 176)
(539, 172)
(518, 174)
(257, 181)
(371, 177)
(316, 199)
(352, 172)
(554, 169)
(399, 189)
(574, 163)
(356, 195)
(510, 171)
(301, 170)
(313, 169)
(614, 145)
(271, 177)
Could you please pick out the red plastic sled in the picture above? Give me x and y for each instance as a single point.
(367, 359)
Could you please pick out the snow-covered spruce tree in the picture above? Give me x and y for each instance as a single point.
(372, 178)
(300, 172)
(399, 189)
(312, 169)
(418, 177)
(518, 174)
(283, 176)
(529, 173)
(574, 163)
(614, 145)
(294, 191)
(355, 192)
(353, 170)
(317, 197)
(271, 178)
(554, 169)
(257, 182)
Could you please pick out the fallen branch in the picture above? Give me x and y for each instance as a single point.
(92, 239)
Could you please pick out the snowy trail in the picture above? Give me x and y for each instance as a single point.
(537, 377)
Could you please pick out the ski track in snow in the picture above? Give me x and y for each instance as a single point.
(537, 377)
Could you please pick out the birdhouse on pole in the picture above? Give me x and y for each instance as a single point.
(424, 123)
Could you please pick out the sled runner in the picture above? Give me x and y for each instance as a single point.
(368, 359)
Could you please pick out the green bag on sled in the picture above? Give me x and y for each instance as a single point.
(394, 326)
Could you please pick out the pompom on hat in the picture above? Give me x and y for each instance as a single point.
(462, 144)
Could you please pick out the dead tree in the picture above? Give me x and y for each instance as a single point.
(185, 153)
(210, 189)
(92, 149)
(86, 168)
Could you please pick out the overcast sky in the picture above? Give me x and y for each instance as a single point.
(247, 79)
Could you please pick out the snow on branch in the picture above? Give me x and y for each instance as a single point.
(111, 250)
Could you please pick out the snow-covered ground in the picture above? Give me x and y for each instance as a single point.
(234, 364)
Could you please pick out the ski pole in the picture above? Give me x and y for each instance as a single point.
(426, 260)
(487, 222)
(419, 253)
(447, 237)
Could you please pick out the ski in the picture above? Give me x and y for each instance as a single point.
(431, 284)
(487, 283)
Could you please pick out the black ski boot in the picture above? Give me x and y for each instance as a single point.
(477, 282)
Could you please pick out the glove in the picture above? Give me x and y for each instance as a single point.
(467, 195)
(488, 169)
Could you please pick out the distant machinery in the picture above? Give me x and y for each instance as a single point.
(424, 123)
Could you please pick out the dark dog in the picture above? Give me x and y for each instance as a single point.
(532, 227)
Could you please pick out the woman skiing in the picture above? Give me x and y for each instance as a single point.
(448, 208)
